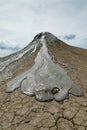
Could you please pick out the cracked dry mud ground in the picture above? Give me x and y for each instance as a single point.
(22, 112)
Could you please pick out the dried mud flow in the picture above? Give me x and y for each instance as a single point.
(21, 112)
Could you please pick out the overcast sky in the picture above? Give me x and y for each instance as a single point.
(21, 20)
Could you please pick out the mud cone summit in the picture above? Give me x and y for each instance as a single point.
(47, 70)
(44, 75)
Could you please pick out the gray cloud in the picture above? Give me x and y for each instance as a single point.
(21, 20)
(84, 42)
(7, 46)
(69, 37)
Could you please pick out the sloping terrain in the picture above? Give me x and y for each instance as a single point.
(21, 112)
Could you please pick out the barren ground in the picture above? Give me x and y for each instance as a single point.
(21, 112)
